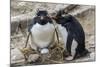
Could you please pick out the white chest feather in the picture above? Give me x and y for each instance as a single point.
(64, 34)
(42, 34)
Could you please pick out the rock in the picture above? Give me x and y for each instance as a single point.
(33, 57)
(12, 46)
(91, 39)
(21, 4)
(17, 56)
(92, 56)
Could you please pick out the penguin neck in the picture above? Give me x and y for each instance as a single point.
(62, 21)
(42, 22)
(42, 25)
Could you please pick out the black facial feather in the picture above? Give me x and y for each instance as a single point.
(46, 19)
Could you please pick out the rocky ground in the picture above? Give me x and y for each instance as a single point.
(23, 12)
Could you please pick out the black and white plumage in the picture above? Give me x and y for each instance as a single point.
(42, 30)
(73, 35)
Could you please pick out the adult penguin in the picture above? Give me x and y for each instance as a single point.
(72, 33)
(42, 30)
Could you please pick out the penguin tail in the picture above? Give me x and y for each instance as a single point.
(82, 54)
(85, 52)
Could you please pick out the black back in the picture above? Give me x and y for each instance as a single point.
(73, 27)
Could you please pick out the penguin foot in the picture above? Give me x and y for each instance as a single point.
(69, 58)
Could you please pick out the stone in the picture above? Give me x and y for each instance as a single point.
(33, 57)
(17, 56)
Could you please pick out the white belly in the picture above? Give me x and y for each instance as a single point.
(64, 34)
(42, 34)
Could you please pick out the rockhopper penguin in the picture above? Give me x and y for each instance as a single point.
(42, 30)
(72, 33)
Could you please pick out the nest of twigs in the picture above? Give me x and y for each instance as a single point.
(55, 54)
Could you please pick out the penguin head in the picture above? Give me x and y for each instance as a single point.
(60, 13)
(61, 17)
(42, 17)
(42, 14)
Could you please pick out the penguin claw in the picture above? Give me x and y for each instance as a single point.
(69, 58)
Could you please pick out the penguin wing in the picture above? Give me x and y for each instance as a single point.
(70, 37)
(31, 24)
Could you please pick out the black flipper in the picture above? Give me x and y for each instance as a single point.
(69, 38)
(69, 43)
(31, 25)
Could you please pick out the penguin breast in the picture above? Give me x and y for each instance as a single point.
(42, 34)
(63, 34)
